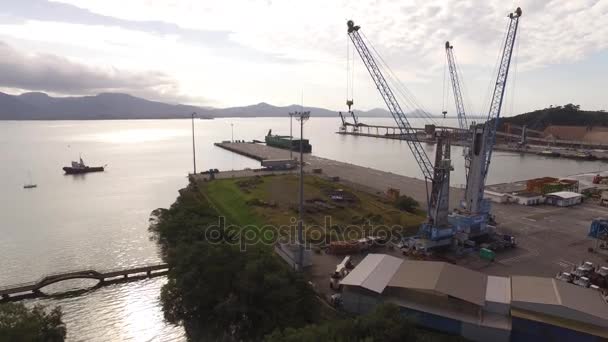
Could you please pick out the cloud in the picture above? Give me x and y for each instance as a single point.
(220, 40)
(55, 74)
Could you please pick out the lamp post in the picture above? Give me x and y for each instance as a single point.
(193, 146)
(302, 117)
(232, 132)
(291, 135)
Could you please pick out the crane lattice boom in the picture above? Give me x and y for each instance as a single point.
(484, 136)
(462, 119)
(391, 102)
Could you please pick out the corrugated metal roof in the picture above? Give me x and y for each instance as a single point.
(560, 299)
(452, 280)
(582, 299)
(565, 194)
(533, 289)
(374, 272)
(498, 290)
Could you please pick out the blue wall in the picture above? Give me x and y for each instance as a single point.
(447, 325)
(525, 330)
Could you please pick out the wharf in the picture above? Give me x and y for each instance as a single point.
(567, 149)
(364, 178)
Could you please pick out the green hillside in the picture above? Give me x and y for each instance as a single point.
(568, 115)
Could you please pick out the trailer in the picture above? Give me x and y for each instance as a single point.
(279, 164)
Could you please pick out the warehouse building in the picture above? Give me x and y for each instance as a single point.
(460, 301)
(527, 198)
(564, 198)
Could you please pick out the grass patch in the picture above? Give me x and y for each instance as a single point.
(332, 207)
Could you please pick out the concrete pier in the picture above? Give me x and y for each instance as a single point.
(360, 177)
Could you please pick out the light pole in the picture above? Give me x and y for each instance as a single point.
(193, 146)
(302, 117)
(232, 130)
(291, 135)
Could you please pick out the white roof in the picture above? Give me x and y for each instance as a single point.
(374, 272)
(498, 290)
(565, 194)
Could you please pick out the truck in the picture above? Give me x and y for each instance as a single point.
(279, 164)
(342, 270)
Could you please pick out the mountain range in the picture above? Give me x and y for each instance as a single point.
(40, 106)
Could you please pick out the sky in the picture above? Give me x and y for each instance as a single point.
(242, 52)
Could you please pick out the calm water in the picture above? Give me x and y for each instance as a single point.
(100, 220)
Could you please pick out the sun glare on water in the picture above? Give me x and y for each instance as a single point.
(131, 136)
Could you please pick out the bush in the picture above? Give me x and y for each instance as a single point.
(18, 323)
(406, 203)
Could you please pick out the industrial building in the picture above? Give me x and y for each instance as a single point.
(564, 198)
(527, 198)
(460, 301)
(549, 190)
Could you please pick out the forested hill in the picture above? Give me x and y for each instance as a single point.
(568, 115)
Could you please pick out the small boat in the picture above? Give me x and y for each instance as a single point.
(549, 153)
(585, 156)
(79, 167)
(29, 184)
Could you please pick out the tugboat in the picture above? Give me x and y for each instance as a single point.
(79, 167)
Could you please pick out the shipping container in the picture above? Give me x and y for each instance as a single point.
(487, 254)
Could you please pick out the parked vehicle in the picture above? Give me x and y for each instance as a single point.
(582, 281)
(564, 276)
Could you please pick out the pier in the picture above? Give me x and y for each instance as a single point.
(364, 178)
(509, 142)
(34, 289)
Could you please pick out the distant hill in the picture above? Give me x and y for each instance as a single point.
(568, 115)
(40, 106)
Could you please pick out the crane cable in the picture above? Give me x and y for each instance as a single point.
(492, 81)
(444, 90)
(347, 67)
(401, 89)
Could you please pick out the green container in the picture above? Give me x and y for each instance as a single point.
(487, 254)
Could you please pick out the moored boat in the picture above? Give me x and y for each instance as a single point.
(549, 153)
(585, 156)
(80, 167)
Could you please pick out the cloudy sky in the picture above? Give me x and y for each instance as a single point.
(240, 52)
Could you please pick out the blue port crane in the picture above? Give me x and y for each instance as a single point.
(436, 173)
(483, 136)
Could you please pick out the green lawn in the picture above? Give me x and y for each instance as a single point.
(273, 200)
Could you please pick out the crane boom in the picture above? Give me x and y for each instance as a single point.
(484, 135)
(439, 173)
(462, 118)
(391, 102)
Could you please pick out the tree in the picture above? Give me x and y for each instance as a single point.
(18, 323)
(216, 290)
(386, 323)
(406, 203)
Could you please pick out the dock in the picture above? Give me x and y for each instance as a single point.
(34, 289)
(363, 178)
(508, 142)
